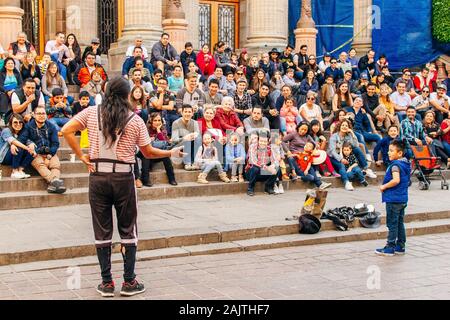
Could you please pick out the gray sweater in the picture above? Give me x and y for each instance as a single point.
(336, 142)
(252, 126)
(179, 130)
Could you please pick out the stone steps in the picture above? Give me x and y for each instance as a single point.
(31, 193)
(214, 241)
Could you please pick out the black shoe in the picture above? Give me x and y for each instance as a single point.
(250, 193)
(106, 289)
(365, 183)
(130, 289)
(173, 182)
(147, 184)
(269, 191)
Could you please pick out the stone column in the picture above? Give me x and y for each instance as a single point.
(81, 20)
(267, 25)
(142, 17)
(10, 21)
(175, 24)
(306, 32)
(362, 29)
(190, 8)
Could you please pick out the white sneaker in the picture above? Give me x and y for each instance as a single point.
(349, 186)
(280, 188)
(276, 190)
(369, 157)
(318, 175)
(17, 175)
(25, 175)
(371, 174)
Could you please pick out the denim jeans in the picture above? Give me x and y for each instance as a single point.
(356, 174)
(340, 168)
(361, 158)
(255, 174)
(23, 159)
(446, 147)
(310, 177)
(395, 215)
(210, 165)
(170, 118)
(61, 67)
(361, 139)
(371, 137)
(59, 122)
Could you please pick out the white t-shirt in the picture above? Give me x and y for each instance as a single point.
(15, 100)
(434, 97)
(131, 49)
(403, 100)
(313, 113)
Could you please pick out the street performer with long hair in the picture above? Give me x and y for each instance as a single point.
(114, 132)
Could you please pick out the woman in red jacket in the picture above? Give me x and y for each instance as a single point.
(205, 61)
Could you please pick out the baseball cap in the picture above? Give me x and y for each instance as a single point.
(364, 76)
(95, 40)
(442, 86)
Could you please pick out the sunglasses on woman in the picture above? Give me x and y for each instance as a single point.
(17, 122)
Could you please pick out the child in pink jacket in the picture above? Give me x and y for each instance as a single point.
(290, 113)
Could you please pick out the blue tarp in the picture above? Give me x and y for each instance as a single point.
(326, 14)
(405, 34)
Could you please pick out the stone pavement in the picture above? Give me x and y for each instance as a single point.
(328, 271)
(29, 229)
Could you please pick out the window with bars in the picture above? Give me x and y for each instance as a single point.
(204, 24)
(227, 25)
(30, 21)
(108, 23)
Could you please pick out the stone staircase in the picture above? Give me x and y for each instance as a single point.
(31, 193)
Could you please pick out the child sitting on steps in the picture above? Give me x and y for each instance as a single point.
(207, 159)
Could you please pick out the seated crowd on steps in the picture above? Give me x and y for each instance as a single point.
(274, 116)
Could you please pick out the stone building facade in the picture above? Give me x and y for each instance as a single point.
(257, 25)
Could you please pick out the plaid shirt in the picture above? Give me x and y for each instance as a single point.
(411, 130)
(244, 103)
(261, 158)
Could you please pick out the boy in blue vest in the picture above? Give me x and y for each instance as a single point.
(395, 195)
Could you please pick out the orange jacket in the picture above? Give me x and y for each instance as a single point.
(83, 76)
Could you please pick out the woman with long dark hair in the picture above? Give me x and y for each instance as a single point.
(12, 151)
(157, 132)
(114, 132)
(75, 56)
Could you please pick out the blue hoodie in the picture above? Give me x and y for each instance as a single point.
(399, 193)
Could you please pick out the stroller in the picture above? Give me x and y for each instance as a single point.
(426, 164)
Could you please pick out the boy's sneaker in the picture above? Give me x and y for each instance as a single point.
(280, 188)
(386, 251)
(130, 289)
(327, 174)
(275, 189)
(106, 289)
(365, 183)
(370, 174)
(324, 185)
(349, 186)
(399, 250)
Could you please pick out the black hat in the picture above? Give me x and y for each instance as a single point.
(372, 220)
(309, 224)
(274, 50)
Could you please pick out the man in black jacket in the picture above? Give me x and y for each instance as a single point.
(268, 107)
(367, 64)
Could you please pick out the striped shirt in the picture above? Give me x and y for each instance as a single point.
(135, 134)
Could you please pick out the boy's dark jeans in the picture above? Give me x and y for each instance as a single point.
(395, 216)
